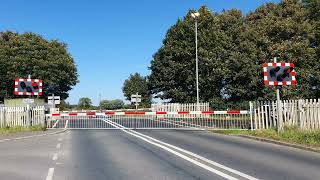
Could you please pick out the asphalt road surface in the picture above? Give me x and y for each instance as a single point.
(151, 154)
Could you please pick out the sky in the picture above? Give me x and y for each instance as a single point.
(108, 40)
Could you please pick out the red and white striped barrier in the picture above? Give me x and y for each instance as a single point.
(146, 113)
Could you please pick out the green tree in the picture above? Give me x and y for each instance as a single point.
(313, 12)
(240, 75)
(284, 30)
(173, 65)
(29, 53)
(232, 48)
(84, 103)
(112, 105)
(137, 84)
(66, 106)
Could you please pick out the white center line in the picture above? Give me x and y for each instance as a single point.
(58, 146)
(50, 174)
(166, 146)
(55, 156)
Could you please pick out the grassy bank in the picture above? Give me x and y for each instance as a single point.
(290, 134)
(17, 129)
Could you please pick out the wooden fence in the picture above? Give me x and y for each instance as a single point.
(21, 116)
(302, 113)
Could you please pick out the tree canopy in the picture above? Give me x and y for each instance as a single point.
(232, 48)
(137, 84)
(84, 103)
(29, 53)
(111, 104)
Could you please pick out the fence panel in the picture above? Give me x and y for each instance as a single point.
(302, 113)
(21, 116)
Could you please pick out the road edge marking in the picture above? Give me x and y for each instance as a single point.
(27, 137)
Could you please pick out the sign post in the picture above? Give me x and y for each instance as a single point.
(279, 108)
(28, 102)
(136, 98)
(279, 75)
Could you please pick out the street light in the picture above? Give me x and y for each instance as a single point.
(195, 15)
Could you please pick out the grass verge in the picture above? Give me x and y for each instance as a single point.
(17, 129)
(290, 135)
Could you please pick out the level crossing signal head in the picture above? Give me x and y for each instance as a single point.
(279, 74)
(28, 87)
(35, 85)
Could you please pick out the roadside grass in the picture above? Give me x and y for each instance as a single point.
(18, 129)
(290, 134)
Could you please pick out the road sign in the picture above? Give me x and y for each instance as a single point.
(28, 87)
(28, 101)
(135, 98)
(53, 99)
(279, 74)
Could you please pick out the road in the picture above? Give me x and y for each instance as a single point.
(119, 154)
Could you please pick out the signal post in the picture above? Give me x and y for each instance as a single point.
(279, 75)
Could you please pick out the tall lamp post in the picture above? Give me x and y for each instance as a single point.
(195, 15)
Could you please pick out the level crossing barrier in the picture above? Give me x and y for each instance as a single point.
(190, 120)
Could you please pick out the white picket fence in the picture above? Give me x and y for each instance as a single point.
(22, 116)
(302, 113)
(174, 107)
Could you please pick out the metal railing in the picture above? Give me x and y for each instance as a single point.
(152, 120)
(175, 107)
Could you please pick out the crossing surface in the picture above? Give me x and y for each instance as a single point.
(152, 154)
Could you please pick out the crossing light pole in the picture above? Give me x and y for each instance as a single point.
(279, 75)
(195, 15)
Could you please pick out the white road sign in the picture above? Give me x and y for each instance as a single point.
(28, 101)
(56, 99)
(135, 98)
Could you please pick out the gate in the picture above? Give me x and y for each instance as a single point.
(191, 120)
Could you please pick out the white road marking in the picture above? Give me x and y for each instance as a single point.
(55, 156)
(163, 146)
(201, 158)
(187, 158)
(55, 124)
(65, 127)
(58, 146)
(27, 137)
(60, 139)
(50, 174)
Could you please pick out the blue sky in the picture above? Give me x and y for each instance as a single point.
(108, 39)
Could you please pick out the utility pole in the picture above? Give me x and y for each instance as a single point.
(28, 108)
(53, 103)
(195, 15)
(136, 101)
(197, 70)
(100, 101)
